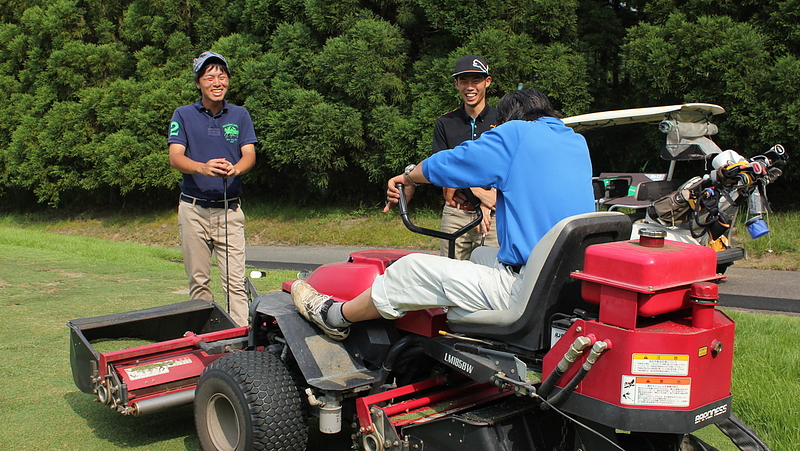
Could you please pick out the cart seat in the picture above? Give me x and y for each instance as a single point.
(547, 286)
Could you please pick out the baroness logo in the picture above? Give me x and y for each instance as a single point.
(709, 414)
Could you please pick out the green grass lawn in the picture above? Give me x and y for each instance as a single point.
(47, 279)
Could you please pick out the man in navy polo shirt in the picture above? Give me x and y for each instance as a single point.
(466, 123)
(212, 143)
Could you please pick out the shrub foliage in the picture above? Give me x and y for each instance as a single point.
(344, 94)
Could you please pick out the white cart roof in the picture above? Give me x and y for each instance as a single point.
(637, 115)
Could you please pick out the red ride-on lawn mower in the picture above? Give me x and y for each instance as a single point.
(618, 346)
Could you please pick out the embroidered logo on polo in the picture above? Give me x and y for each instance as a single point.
(174, 129)
(231, 132)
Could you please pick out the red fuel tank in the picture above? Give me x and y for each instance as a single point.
(631, 280)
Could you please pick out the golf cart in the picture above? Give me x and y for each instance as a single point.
(704, 209)
(616, 345)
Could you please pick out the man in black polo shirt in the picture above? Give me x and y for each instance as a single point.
(473, 117)
(212, 143)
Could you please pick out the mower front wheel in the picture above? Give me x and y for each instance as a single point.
(249, 401)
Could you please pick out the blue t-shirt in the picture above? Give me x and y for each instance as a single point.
(207, 137)
(542, 172)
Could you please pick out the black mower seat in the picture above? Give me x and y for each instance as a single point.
(547, 287)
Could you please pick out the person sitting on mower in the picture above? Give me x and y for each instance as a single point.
(542, 172)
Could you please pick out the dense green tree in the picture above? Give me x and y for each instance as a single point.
(345, 93)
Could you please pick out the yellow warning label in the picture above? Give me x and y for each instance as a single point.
(661, 356)
(660, 364)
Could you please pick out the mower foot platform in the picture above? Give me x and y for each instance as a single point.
(326, 364)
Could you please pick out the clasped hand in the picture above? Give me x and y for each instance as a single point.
(218, 167)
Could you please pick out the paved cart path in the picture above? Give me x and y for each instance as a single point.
(745, 288)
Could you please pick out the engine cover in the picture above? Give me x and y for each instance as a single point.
(665, 376)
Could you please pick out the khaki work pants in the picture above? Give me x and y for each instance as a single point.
(455, 218)
(203, 234)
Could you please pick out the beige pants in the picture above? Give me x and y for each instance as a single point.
(455, 218)
(420, 281)
(202, 233)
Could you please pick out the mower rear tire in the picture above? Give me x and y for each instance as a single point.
(249, 401)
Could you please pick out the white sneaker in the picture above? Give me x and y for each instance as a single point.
(314, 307)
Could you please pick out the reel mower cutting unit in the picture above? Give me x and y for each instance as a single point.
(617, 344)
(175, 344)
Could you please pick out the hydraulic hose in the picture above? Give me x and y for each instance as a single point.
(394, 352)
(572, 354)
(597, 350)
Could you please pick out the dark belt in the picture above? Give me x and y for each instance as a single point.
(208, 203)
(473, 212)
(514, 268)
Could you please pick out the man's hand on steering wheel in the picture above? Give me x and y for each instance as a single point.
(393, 194)
(410, 179)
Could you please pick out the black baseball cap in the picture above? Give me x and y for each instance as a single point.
(471, 64)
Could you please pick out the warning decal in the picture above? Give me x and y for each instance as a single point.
(154, 369)
(656, 391)
(660, 364)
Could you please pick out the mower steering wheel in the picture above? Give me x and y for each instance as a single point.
(450, 237)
